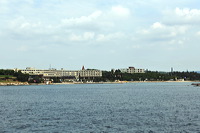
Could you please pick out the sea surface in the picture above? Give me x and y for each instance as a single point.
(101, 108)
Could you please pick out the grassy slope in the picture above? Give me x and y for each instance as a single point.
(9, 78)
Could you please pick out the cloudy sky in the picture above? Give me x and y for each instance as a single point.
(101, 34)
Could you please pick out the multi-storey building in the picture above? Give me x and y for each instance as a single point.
(76, 74)
(132, 70)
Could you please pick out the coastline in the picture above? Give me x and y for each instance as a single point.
(67, 83)
(13, 83)
(123, 82)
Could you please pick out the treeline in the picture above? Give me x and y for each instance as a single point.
(187, 75)
(147, 76)
(15, 76)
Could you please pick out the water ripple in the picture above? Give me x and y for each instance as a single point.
(124, 108)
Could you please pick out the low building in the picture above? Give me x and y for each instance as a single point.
(132, 70)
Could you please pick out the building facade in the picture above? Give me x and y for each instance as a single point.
(71, 74)
(132, 70)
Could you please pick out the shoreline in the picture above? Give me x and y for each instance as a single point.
(13, 83)
(67, 83)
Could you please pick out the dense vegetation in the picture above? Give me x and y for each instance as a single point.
(148, 76)
(40, 79)
(11, 75)
(187, 75)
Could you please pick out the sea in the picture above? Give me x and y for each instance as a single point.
(165, 107)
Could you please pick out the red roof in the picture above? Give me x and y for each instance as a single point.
(83, 68)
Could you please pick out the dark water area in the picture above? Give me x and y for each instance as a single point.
(126, 108)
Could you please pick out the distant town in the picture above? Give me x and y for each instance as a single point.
(54, 75)
(32, 75)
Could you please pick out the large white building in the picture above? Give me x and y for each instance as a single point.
(84, 73)
(132, 70)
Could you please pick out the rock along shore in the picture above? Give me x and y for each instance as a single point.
(13, 83)
(119, 82)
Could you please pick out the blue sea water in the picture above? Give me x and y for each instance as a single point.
(93, 108)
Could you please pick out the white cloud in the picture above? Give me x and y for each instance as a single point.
(82, 19)
(87, 36)
(161, 34)
(110, 37)
(84, 37)
(25, 28)
(198, 33)
(175, 27)
(187, 13)
(157, 25)
(120, 11)
(182, 16)
(99, 19)
(3, 6)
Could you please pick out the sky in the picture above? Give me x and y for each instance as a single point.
(100, 34)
